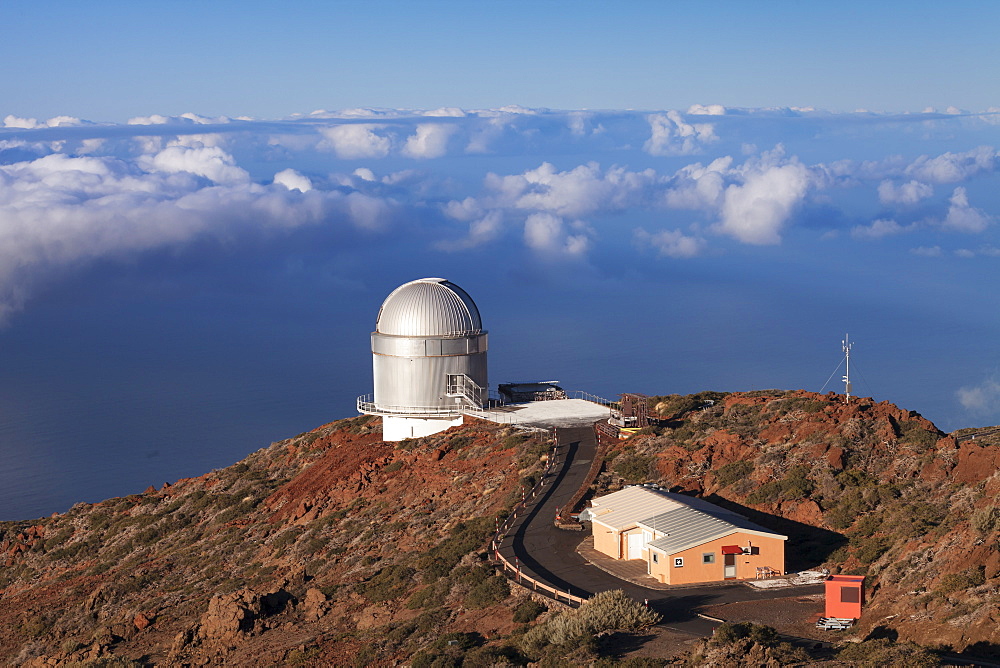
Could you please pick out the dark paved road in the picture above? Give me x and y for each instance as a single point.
(549, 554)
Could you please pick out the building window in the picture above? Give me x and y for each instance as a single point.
(656, 558)
(678, 562)
(708, 557)
(850, 594)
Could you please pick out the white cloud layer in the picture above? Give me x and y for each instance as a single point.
(904, 193)
(883, 227)
(429, 141)
(758, 209)
(71, 190)
(352, 142)
(672, 243)
(981, 399)
(962, 217)
(672, 135)
(58, 211)
(292, 180)
(547, 233)
(210, 162)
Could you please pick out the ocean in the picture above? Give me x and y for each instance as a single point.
(139, 373)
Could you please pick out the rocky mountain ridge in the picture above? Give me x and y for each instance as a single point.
(334, 548)
(303, 549)
(863, 488)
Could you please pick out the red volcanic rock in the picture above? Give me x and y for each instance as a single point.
(975, 462)
(806, 512)
(141, 621)
(835, 457)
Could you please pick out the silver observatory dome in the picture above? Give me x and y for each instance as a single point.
(428, 307)
(428, 359)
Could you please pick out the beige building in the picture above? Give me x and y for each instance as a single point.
(683, 539)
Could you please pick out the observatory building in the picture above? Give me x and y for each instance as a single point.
(428, 358)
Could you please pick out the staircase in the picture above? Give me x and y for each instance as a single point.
(460, 386)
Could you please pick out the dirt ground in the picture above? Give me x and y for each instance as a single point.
(659, 643)
(793, 616)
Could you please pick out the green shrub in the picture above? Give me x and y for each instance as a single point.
(389, 583)
(918, 518)
(742, 418)
(58, 538)
(674, 405)
(607, 611)
(465, 537)
(400, 633)
(515, 440)
(492, 656)
(731, 632)
(634, 467)
(733, 472)
(867, 525)
(856, 478)
(528, 611)
(286, 538)
(393, 467)
(967, 579)
(427, 597)
(873, 548)
(303, 657)
(487, 592)
(915, 434)
(880, 652)
(795, 485)
(408, 444)
(792, 404)
(766, 493)
(986, 520)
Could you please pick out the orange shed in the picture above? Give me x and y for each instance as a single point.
(844, 596)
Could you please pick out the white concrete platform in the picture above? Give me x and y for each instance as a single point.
(552, 413)
(790, 580)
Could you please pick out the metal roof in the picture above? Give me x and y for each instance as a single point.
(624, 508)
(687, 527)
(687, 521)
(428, 307)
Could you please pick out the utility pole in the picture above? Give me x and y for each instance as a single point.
(847, 345)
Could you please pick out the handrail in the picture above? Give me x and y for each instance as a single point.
(528, 497)
(593, 398)
(595, 469)
(536, 585)
(461, 386)
(366, 404)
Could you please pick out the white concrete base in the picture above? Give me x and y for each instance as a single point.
(398, 428)
(552, 413)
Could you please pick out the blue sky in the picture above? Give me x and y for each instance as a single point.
(202, 206)
(112, 60)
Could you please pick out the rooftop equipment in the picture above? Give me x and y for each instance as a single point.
(516, 393)
(633, 411)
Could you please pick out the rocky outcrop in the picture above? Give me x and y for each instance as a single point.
(863, 487)
(269, 560)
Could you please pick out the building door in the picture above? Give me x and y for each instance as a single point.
(635, 546)
(730, 571)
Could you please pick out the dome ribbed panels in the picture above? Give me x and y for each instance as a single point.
(428, 307)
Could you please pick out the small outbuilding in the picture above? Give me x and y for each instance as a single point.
(683, 539)
(844, 596)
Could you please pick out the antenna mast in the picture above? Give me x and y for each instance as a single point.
(847, 345)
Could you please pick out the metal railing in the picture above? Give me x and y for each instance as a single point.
(366, 404)
(460, 386)
(587, 396)
(513, 570)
